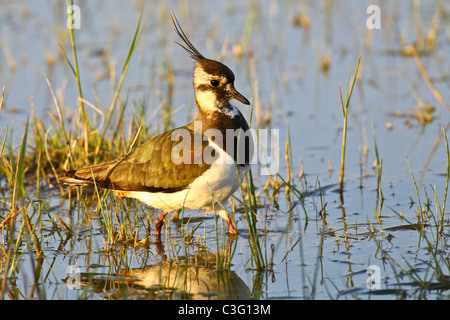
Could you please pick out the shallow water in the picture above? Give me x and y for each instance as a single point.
(306, 256)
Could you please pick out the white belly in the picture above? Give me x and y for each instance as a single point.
(219, 182)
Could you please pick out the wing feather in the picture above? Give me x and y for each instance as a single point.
(149, 167)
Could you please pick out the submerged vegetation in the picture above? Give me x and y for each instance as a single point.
(288, 223)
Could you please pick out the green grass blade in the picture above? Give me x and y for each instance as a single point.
(77, 76)
(134, 42)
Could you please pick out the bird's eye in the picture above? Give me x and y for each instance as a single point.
(215, 83)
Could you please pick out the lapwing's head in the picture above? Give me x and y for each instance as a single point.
(213, 81)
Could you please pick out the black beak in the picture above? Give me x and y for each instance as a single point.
(236, 95)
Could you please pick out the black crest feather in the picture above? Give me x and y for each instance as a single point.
(193, 52)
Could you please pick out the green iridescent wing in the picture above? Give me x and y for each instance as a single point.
(151, 167)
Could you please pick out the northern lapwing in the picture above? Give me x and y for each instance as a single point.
(152, 174)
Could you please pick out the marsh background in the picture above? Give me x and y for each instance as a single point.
(315, 239)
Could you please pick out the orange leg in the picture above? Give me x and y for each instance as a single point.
(224, 215)
(231, 228)
(159, 222)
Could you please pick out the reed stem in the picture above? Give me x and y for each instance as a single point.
(344, 107)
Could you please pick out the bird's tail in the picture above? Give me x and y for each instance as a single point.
(90, 176)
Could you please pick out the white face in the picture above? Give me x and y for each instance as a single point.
(206, 96)
(207, 101)
(201, 77)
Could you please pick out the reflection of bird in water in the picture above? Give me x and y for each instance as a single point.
(195, 279)
(192, 282)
